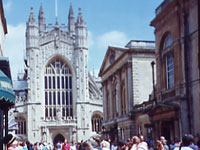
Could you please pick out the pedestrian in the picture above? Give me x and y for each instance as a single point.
(105, 145)
(80, 145)
(59, 146)
(136, 141)
(192, 145)
(159, 145)
(164, 142)
(73, 146)
(184, 144)
(49, 146)
(66, 145)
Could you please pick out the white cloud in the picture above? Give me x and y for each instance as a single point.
(113, 38)
(15, 48)
(8, 6)
(100, 44)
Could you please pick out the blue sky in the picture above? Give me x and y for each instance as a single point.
(109, 22)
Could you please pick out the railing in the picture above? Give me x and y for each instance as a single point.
(141, 44)
(162, 6)
(143, 106)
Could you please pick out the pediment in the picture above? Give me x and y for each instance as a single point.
(112, 55)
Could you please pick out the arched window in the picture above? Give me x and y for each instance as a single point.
(168, 57)
(97, 123)
(21, 122)
(168, 41)
(58, 90)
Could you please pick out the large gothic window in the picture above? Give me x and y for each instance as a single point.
(58, 91)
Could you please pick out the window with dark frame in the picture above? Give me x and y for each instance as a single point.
(58, 90)
(168, 57)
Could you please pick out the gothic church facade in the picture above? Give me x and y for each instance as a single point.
(63, 100)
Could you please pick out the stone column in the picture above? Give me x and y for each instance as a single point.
(130, 85)
(126, 89)
(110, 98)
(105, 100)
(119, 92)
(118, 95)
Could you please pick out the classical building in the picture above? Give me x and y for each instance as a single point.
(178, 69)
(60, 99)
(127, 81)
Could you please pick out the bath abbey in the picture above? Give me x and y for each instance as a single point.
(57, 96)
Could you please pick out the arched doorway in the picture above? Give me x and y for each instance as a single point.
(58, 138)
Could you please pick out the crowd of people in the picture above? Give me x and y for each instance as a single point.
(135, 143)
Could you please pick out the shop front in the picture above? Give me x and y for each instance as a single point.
(7, 100)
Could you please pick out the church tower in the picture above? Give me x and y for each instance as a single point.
(32, 53)
(81, 55)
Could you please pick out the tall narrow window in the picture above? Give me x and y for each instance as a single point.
(54, 83)
(170, 70)
(167, 53)
(46, 98)
(50, 99)
(54, 98)
(58, 90)
(58, 98)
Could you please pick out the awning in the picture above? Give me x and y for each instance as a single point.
(7, 95)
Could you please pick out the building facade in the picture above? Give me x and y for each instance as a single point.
(127, 81)
(62, 100)
(177, 61)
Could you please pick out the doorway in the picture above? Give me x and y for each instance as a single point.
(58, 138)
(167, 127)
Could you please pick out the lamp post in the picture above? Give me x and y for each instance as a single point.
(154, 89)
